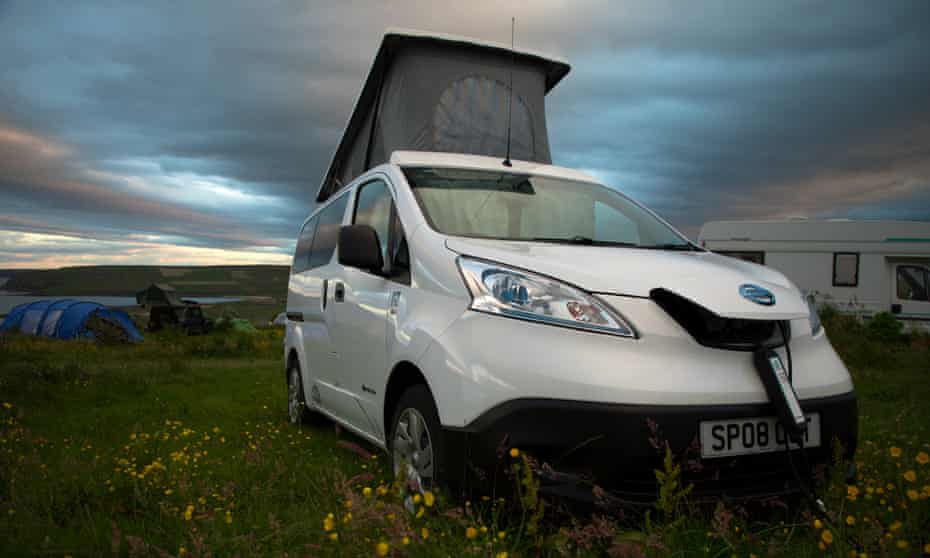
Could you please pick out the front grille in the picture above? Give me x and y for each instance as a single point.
(711, 330)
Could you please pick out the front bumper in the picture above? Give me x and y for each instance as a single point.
(618, 446)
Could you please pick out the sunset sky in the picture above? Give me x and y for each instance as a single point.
(197, 132)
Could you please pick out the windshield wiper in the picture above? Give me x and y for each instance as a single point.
(583, 241)
(673, 246)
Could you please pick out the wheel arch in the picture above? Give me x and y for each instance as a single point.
(404, 375)
(292, 359)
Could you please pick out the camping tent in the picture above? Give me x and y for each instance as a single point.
(442, 93)
(67, 319)
(158, 294)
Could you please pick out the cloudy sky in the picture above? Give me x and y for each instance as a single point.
(197, 132)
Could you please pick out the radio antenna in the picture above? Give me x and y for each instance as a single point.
(507, 163)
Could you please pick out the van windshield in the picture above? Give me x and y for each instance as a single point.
(511, 206)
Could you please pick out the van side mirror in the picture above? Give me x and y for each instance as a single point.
(359, 248)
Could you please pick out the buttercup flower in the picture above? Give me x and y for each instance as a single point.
(514, 452)
(471, 533)
(910, 475)
(895, 452)
(382, 549)
(818, 524)
(913, 495)
(850, 520)
(329, 523)
(922, 458)
(827, 537)
(429, 499)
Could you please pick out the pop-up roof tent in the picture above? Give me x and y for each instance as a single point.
(430, 92)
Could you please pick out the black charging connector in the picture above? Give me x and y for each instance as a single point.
(781, 393)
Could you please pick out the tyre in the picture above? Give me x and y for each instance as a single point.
(416, 444)
(297, 411)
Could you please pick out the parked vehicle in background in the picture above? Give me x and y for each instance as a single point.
(862, 267)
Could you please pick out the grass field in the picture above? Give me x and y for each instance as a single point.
(179, 447)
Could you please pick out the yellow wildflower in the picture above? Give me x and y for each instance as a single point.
(821, 546)
(502, 555)
(895, 526)
(501, 535)
(850, 520)
(927, 548)
(922, 458)
(424, 533)
(514, 452)
(417, 498)
(329, 523)
(420, 512)
(7, 405)
(188, 512)
(471, 533)
(852, 493)
(910, 475)
(382, 490)
(334, 536)
(429, 499)
(382, 549)
(228, 518)
(349, 503)
(827, 536)
(366, 491)
(913, 495)
(902, 544)
(895, 452)
(818, 524)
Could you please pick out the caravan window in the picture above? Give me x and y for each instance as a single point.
(375, 207)
(912, 283)
(845, 269)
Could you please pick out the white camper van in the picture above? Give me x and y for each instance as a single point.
(448, 301)
(857, 266)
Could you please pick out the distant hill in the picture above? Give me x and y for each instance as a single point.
(120, 280)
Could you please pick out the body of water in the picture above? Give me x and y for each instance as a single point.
(8, 301)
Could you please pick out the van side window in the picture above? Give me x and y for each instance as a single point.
(327, 232)
(374, 206)
(912, 283)
(845, 269)
(304, 242)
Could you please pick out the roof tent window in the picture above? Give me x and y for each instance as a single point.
(471, 117)
(845, 269)
(327, 232)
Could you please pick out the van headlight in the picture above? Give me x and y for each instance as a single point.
(813, 316)
(498, 289)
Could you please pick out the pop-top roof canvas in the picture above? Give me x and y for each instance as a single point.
(440, 93)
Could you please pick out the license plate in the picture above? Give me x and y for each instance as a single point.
(723, 438)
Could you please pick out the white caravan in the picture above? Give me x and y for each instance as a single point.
(447, 302)
(857, 266)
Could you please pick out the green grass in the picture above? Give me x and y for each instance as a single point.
(182, 443)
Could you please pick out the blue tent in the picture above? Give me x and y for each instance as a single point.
(65, 319)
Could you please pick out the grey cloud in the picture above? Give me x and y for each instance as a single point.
(704, 110)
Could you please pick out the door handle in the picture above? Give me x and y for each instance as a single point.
(395, 301)
(339, 292)
(324, 294)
